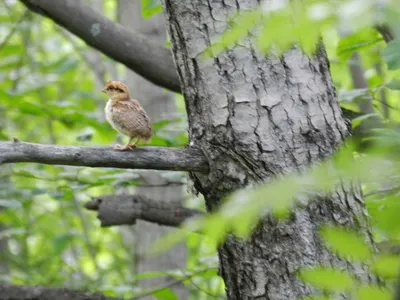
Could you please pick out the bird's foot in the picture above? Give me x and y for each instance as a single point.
(123, 147)
(132, 145)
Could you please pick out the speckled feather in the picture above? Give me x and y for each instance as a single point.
(129, 118)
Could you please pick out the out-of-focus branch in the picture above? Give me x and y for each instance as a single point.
(386, 32)
(126, 209)
(19, 292)
(142, 55)
(13, 30)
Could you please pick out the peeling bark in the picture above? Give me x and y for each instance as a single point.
(255, 118)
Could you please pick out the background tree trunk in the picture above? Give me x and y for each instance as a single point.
(6, 189)
(160, 104)
(256, 117)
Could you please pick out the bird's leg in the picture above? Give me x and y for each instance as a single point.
(134, 144)
(126, 147)
(122, 147)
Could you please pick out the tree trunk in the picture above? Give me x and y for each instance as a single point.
(6, 188)
(160, 104)
(255, 118)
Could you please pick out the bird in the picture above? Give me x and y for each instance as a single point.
(126, 115)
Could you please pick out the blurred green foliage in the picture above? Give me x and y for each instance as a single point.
(49, 93)
(351, 39)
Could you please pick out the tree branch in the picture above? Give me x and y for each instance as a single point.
(145, 57)
(157, 158)
(17, 292)
(386, 32)
(126, 209)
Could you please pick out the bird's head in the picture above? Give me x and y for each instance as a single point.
(116, 90)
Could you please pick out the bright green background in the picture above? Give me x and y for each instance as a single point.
(48, 95)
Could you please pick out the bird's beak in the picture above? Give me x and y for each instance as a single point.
(104, 91)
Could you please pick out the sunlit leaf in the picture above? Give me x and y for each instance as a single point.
(346, 243)
(150, 8)
(394, 85)
(362, 39)
(317, 298)
(165, 294)
(241, 25)
(327, 278)
(387, 266)
(367, 292)
(386, 215)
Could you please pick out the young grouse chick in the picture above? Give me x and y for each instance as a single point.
(126, 115)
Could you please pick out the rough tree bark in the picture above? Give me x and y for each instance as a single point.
(160, 104)
(256, 117)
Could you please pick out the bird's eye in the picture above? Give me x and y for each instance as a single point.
(110, 88)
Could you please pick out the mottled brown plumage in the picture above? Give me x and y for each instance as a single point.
(126, 115)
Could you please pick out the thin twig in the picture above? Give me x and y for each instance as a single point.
(144, 56)
(383, 191)
(170, 284)
(14, 29)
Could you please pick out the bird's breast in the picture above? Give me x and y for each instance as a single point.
(113, 119)
(108, 111)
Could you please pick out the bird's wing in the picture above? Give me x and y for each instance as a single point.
(131, 115)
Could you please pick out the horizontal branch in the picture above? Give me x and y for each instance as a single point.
(142, 55)
(156, 158)
(20, 292)
(126, 209)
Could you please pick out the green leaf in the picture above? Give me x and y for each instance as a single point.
(11, 49)
(394, 85)
(354, 42)
(387, 266)
(386, 215)
(241, 25)
(61, 242)
(317, 298)
(327, 278)
(391, 54)
(150, 8)
(356, 95)
(346, 243)
(165, 294)
(357, 121)
(367, 292)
